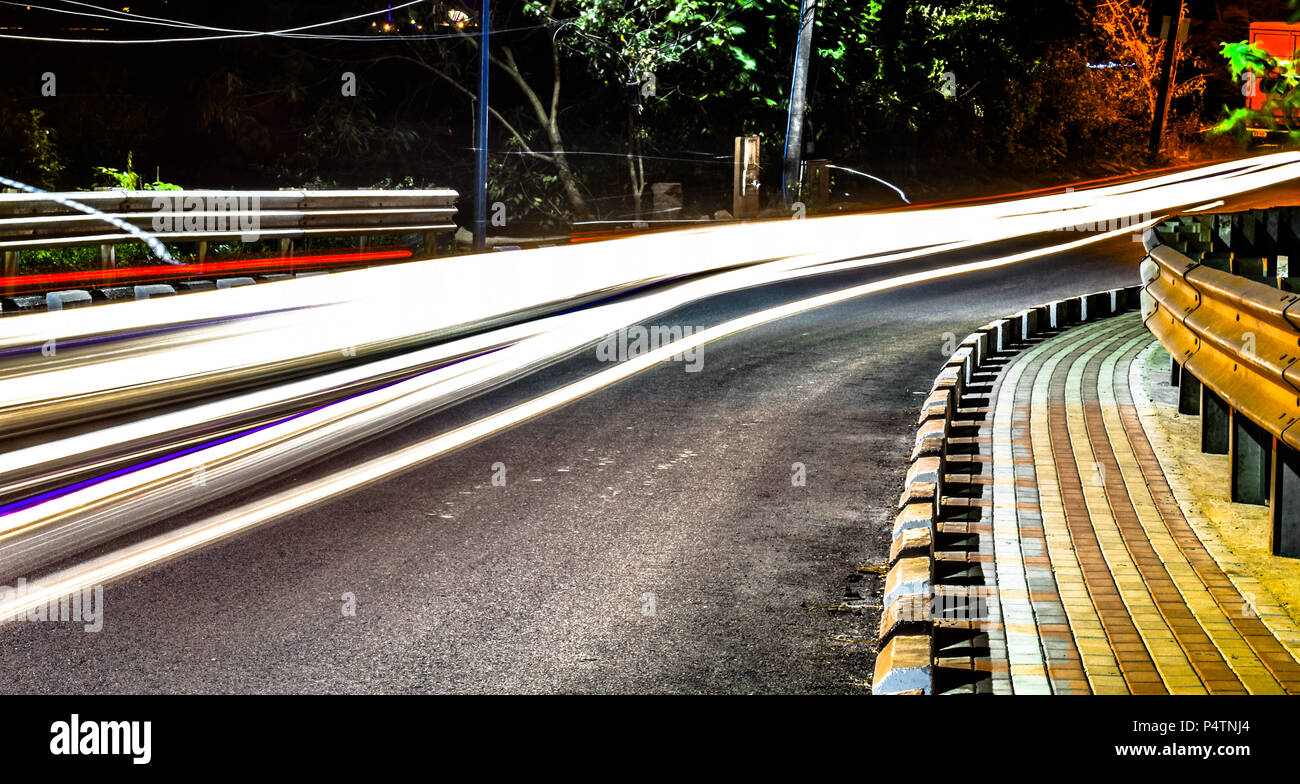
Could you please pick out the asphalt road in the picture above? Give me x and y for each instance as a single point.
(648, 538)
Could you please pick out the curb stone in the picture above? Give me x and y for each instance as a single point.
(906, 662)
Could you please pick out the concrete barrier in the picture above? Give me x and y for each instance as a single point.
(74, 298)
(154, 290)
(22, 303)
(113, 294)
(230, 283)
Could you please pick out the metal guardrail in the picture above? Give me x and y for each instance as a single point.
(1214, 299)
(35, 221)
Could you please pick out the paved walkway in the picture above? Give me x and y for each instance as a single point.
(1099, 581)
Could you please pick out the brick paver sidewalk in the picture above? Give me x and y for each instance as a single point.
(1098, 581)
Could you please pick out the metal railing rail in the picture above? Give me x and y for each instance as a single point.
(1214, 300)
(36, 221)
(1239, 337)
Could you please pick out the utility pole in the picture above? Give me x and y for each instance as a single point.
(481, 136)
(798, 98)
(1167, 19)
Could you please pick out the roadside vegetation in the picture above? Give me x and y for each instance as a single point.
(594, 100)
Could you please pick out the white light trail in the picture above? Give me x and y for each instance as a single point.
(191, 537)
(734, 254)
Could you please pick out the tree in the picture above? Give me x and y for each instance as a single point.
(28, 151)
(618, 45)
(448, 62)
(633, 44)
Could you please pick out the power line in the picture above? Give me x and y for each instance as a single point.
(425, 37)
(288, 32)
(161, 21)
(117, 16)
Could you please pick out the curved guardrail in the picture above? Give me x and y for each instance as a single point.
(1232, 328)
(1240, 338)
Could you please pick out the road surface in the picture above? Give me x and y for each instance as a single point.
(650, 537)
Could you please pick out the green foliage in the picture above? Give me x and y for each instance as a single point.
(129, 179)
(87, 257)
(1025, 91)
(529, 188)
(60, 259)
(623, 41)
(1244, 56)
(1276, 79)
(28, 151)
(407, 183)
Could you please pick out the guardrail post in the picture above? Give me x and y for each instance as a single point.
(107, 257)
(1175, 372)
(10, 267)
(1251, 449)
(203, 251)
(286, 250)
(1284, 502)
(1189, 393)
(1216, 419)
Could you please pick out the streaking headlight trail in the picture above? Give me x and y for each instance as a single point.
(285, 373)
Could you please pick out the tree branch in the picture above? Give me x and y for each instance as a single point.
(555, 88)
(512, 69)
(527, 149)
